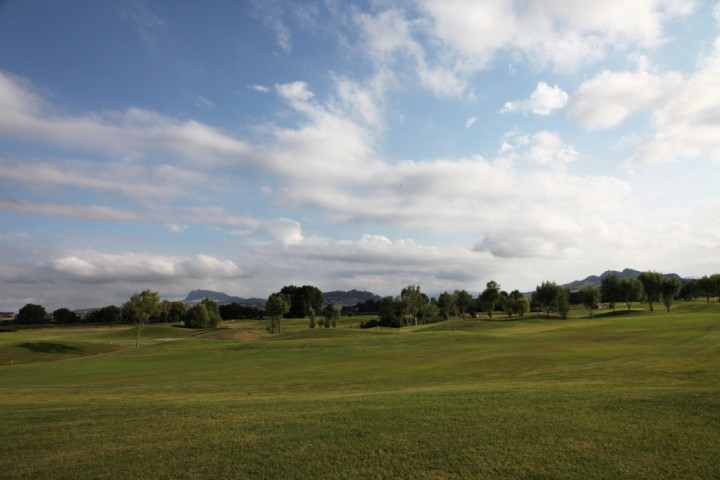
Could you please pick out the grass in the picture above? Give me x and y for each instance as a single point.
(632, 395)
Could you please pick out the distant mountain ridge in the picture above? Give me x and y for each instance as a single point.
(197, 296)
(336, 297)
(594, 280)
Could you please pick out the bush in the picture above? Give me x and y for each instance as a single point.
(197, 317)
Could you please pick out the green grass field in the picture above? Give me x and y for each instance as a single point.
(635, 395)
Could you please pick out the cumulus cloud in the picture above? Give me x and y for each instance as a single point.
(285, 231)
(389, 37)
(132, 133)
(560, 34)
(470, 122)
(609, 98)
(543, 101)
(683, 109)
(117, 267)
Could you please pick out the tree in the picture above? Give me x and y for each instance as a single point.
(172, 312)
(689, 290)
(140, 309)
(31, 314)
(610, 290)
(517, 303)
(277, 305)
(652, 286)
(590, 296)
(668, 290)
(390, 312)
(312, 318)
(63, 315)
(708, 286)
(233, 311)
(447, 303)
(562, 301)
(110, 315)
(521, 306)
(331, 314)
(214, 319)
(464, 300)
(429, 312)
(546, 296)
(413, 300)
(302, 299)
(490, 297)
(631, 291)
(197, 316)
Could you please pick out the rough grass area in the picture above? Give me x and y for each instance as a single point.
(619, 396)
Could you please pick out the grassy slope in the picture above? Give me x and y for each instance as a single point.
(629, 396)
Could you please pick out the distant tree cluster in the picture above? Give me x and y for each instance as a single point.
(410, 307)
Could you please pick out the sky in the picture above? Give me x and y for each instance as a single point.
(243, 146)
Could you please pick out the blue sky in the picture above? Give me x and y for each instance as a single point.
(244, 146)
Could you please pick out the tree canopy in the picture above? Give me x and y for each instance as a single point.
(140, 309)
(276, 306)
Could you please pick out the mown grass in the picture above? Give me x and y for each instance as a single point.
(624, 396)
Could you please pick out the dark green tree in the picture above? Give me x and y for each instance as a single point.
(214, 319)
(652, 286)
(390, 312)
(610, 290)
(490, 297)
(546, 296)
(277, 305)
(110, 315)
(197, 316)
(447, 302)
(31, 314)
(464, 301)
(590, 296)
(63, 315)
(302, 299)
(562, 301)
(172, 312)
(631, 291)
(708, 286)
(669, 289)
(331, 316)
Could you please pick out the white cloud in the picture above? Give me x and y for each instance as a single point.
(543, 101)
(97, 266)
(547, 148)
(284, 231)
(259, 88)
(608, 99)
(683, 109)
(128, 179)
(470, 122)
(132, 133)
(562, 34)
(87, 212)
(390, 43)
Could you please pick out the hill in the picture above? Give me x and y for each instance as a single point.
(196, 296)
(594, 280)
(336, 297)
(349, 298)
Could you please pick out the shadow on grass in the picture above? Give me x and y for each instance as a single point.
(44, 347)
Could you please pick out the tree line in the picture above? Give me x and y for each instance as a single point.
(410, 307)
